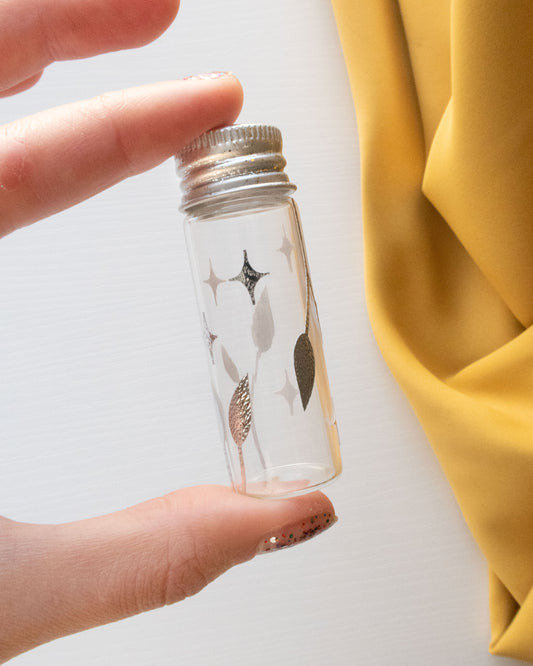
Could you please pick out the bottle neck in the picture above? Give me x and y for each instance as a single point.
(242, 202)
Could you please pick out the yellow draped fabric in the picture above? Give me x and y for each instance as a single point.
(443, 91)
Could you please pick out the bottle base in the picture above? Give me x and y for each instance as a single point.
(289, 480)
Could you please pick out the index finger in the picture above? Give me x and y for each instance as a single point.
(59, 157)
(35, 33)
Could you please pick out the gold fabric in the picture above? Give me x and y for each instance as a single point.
(443, 91)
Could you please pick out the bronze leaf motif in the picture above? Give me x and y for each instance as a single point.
(240, 412)
(304, 367)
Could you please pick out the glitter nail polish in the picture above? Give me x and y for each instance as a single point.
(291, 535)
(258, 312)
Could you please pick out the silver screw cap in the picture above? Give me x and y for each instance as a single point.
(230, 162)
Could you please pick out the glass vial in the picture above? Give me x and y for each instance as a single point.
(258, 312)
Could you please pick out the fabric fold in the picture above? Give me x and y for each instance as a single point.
(444, 99)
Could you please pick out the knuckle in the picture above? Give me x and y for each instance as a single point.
(52, 36)
(19, 176)
(183, 562)
(111, 108)
(189, 569)
(16, 166)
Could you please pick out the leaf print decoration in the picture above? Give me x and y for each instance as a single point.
(229, 365)
(263, 323)
(304, 367)
(304, 356)
(240, 412)
(240, 421)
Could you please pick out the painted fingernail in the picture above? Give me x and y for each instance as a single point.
(297, 532)
(210, 76)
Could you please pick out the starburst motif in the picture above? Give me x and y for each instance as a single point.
(288, 392)
(213, 280)
(209, 338)
(286, 248)
(249, 277)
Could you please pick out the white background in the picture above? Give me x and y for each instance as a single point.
(104, 398)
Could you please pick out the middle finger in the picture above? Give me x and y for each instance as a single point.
(35, 33)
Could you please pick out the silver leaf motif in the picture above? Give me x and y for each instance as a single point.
(263, 323)
(230, 366)
(240, 412)
(304, 367)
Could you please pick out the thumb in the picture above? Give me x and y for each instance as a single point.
(59, 579)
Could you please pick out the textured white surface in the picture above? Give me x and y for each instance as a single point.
(104, 399)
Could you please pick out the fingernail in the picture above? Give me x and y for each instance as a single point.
(210, 76)
(297, 532)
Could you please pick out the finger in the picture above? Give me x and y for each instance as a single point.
(75, 576)
(22, 86)
(34, 34)
(59, 157)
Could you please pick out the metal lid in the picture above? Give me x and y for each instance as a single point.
(231, 161)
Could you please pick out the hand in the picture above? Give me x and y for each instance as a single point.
(57, 158)
(59, 579)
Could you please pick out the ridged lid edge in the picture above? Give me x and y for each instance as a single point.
(228, 136)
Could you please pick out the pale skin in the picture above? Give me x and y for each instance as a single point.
(59, 579)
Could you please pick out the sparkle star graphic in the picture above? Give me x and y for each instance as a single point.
(288, 392)
(286, 248)
(213, 280)
(249, 277)
(209, 338)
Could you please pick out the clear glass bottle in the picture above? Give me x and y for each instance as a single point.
(258, 312)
